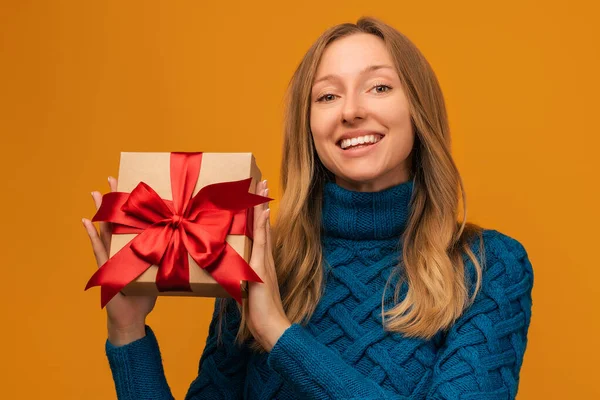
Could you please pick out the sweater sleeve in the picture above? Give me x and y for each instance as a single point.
(138, 371)
(481, 358)
(317, 372)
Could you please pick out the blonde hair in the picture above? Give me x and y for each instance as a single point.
(433, 242)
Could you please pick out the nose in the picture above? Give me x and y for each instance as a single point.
(352, 109)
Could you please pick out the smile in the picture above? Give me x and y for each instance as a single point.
(360, 150)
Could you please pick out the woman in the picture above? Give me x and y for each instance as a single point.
(372, 289)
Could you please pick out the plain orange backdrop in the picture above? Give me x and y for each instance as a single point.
(82, 81)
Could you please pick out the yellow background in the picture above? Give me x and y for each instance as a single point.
(81, 81)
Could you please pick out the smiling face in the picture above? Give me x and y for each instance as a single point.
(361, 96)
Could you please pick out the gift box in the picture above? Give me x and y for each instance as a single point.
(182, 225)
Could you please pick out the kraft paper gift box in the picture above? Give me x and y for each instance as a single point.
(154, 170)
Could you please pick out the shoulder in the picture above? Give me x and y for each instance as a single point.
(502, 244)
(505, 262)
(507, 254)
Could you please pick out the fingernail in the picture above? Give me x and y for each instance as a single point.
(268, 212)
(92, 193)
(266, 192)
(265, 183)
(83, 220)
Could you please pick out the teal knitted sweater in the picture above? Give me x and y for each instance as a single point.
(343, 352)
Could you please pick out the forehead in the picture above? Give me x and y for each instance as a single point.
(351, 54)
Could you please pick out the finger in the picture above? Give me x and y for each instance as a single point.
(104, 226)
(97, 245)
(268, 254)
(266, 204)
(269, 262)
(257, 258)
(260, 186)
(112, 182)
(268, 227)
(268, 233)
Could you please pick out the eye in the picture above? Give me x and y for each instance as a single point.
(331, 96)
(381, 85)
(320, 99)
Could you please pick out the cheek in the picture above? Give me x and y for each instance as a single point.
(322, 126)
(324, 118)
(396, 118)
(394, 114)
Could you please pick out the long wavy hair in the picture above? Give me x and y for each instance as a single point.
(433, 243)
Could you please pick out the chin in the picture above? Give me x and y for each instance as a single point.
(359, 178)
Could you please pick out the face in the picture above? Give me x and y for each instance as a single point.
(351, 98)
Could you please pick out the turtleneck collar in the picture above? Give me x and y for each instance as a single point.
(355, 215)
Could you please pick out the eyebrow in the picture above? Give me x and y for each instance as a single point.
(370, 68)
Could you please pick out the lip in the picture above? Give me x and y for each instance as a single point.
(353, 153)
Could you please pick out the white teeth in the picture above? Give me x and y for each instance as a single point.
(360, 140)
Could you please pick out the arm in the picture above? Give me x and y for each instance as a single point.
(317, 372)
(138, 371)
(481, 358)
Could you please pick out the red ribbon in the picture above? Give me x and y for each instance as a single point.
(169, 230)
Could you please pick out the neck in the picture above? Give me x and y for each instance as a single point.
(354, 215)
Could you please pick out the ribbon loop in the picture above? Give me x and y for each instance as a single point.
(145, 204)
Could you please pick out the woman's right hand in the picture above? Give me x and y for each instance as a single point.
(126, 315)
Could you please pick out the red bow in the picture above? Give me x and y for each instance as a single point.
(169, 230)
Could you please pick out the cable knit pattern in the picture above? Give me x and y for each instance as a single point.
(137, 369)
(343, 352)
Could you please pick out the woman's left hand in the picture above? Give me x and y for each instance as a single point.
(266, 317)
